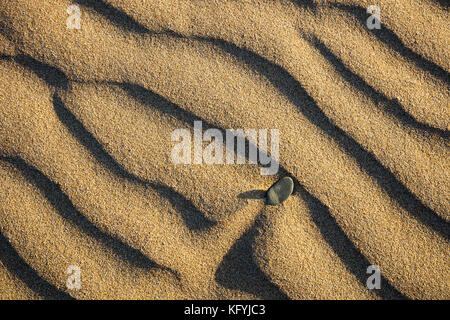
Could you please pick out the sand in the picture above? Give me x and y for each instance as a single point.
(87, 180)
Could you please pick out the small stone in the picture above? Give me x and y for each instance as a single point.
(280, 191)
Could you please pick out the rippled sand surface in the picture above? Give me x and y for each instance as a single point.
(86, 177)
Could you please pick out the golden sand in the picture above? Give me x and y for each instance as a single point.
(86, 176)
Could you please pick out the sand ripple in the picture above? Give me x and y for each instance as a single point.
(86, 179)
